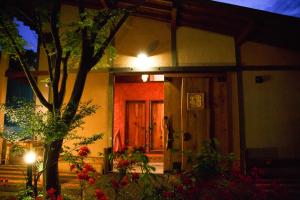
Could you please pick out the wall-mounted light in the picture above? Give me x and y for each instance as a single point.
(145, 77)
(142, 62)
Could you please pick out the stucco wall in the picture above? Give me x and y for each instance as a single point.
(96, 90)
(198, 47)
(272, 112)
(261, 54)
(3, 85)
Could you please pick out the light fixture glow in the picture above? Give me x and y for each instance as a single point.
(30, 157)
(145, 77)
(142, 61)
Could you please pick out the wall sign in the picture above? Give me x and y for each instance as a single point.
(195, 101)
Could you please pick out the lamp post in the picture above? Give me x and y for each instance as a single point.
(29, 159)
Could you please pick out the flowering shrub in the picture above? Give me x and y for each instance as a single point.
(51, 195)
(132, 165)
(214, 178)
(86, 173)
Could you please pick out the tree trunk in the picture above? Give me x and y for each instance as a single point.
(53, 150)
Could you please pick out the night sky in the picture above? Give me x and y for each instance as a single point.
(284, 7)
(28, 35)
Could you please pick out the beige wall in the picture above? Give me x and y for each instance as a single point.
(143, 35)
(272, 111)
(96, 90)
(4, 61)
(261, 54)
(198, 47)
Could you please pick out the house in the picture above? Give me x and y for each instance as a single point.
(212, 71)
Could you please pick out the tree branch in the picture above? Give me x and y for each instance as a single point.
(100, 24)
(43, 40)
(64, 80)
(85, 43)
(100, 52)
(26, 70)
(55, 32)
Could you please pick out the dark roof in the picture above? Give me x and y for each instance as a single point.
(244, 24)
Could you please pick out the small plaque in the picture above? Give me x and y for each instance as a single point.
(195, 101)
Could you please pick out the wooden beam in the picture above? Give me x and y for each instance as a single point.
(242, 37)
(241, 110)
(174, 34)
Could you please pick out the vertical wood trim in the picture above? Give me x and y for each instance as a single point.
(111, 81)
(211, 105)
(174, 34)
(229, 112)
(240, 88)
(182, 120)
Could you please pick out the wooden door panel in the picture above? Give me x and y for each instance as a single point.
(192, 126)
(135, 123)
(195, 122)
(157, 115)
(220, 109)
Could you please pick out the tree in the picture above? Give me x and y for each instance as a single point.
(84, 43)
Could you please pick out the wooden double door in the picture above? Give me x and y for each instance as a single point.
(195, 110)
(144, 125)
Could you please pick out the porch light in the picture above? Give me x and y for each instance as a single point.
(145, 77)
(29, 158)
(142, 62)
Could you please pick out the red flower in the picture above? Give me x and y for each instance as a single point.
(82, 176)
(51, 193)
(124, 181)
(72, 167)
(88, 167)
(59, 197)
(179, 188)
(91, 181)
(135, 176)
(115, 184)
(100, 195)
(167, 194)
(83, 151)
(123, 163)
(186, 180)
